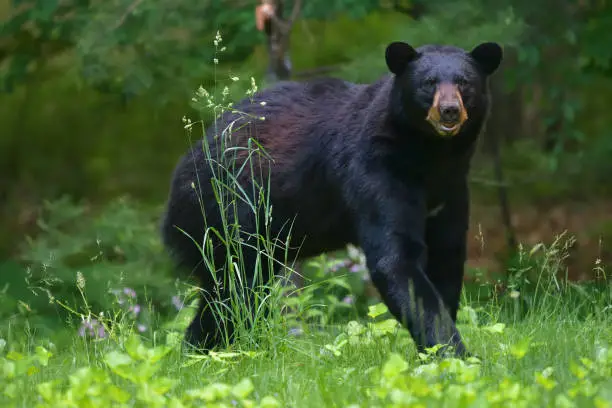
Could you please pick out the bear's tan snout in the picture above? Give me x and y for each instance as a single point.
(447, 113)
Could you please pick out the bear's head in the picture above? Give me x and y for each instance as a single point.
(442, 89)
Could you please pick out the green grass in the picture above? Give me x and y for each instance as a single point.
(556, 355)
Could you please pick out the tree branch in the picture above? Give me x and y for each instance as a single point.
(295, 13)
(128, 11)
(285, 26)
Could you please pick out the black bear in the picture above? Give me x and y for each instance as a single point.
(381, 165)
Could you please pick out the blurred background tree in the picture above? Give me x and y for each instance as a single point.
(93, 93)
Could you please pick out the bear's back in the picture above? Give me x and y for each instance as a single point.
(297, 123)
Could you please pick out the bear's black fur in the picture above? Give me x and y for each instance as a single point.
(381, 165)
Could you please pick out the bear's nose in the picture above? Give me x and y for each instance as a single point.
(450, 112)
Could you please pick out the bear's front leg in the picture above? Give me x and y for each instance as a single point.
(391, 229)
(446, 239)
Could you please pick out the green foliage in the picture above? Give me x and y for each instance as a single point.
(334, 288)
(366, 364)
(563, 54)
(127, 376)
(463, 383)
(440, 26)
(325, 9)
(122, 46)
(82, 253)
(595, 49)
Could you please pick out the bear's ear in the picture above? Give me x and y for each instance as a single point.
(398, 55)
(488, 55)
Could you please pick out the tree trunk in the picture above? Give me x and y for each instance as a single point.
(503, 127)
(278, 34)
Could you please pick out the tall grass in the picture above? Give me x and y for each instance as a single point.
(244, 293)
(548, 356)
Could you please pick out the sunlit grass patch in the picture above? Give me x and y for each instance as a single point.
(368, 363)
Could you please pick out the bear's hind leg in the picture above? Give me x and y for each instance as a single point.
(208, 329)
(219, 309)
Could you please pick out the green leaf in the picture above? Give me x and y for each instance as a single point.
(163, 385)
(32, 370)
(46, 390)
(10, 390)
(495, 328)
(269, 402)
(377, 310)
(243, 389)
(118, 395)
(354, 328)
(43, 355)
(8, 369)
(15, 356)
(546, 382)
(135, 348)
(212, 392)
(387, 326)
(519, 349)
(173, 339)
(175, 403)
(394, 366)
(116, 359)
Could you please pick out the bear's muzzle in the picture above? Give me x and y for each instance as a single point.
(447, 114)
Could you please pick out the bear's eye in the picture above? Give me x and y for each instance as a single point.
(462, 82)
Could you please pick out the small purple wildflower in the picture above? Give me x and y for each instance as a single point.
(339, 263)
(141, 328)
(129, 292)
(295, 331)
(348, 300)
(92, 328)
(177, 302)
(356, 268)
(135, 309)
